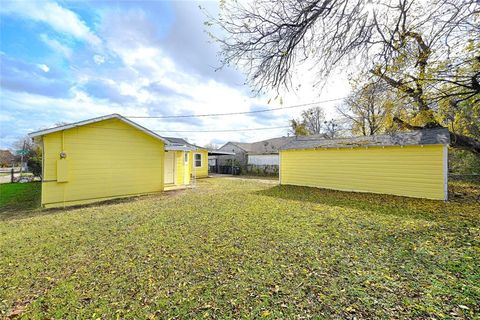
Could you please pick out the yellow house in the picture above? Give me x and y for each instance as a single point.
(104, 158)
(413, 164)
(184, 162)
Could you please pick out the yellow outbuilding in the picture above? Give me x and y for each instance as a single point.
(413, 164)
(184, 162)
(110, 157)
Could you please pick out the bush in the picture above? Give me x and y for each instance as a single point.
(463, 162)
(35, 165)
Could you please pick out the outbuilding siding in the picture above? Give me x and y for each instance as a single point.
(414, 171)
(200, 172)
(105, 160)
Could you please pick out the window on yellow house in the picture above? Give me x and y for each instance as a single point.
(185, 157)
(198, 160)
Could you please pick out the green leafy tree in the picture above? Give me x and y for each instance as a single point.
(298, 128)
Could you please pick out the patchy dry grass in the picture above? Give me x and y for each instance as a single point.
(243, 249)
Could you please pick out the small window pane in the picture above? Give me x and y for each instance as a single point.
(185, 157)
(198, 160)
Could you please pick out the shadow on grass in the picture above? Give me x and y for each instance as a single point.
(464, 201)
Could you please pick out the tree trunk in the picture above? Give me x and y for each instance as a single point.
(460, 141)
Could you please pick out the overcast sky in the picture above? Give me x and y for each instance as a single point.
(70, 61)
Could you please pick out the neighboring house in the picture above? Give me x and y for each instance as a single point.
(99, 159)
(410, 164)
(186, 162)
(7, 159)
(260, 153)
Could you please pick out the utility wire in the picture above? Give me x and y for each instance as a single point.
(197, 131)
(233, 113)
(227, 130)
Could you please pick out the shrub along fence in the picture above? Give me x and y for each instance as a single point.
(261, 170)
(251, 170)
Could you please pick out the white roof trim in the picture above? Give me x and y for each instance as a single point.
(98, 119)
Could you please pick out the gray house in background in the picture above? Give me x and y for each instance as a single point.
(255, 156)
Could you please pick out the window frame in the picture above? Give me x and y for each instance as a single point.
(195, 160)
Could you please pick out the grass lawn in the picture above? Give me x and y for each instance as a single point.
(239, 248)
(17, 197)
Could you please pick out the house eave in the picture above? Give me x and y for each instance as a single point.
(41, 133)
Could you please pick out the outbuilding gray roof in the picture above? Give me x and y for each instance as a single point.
(183, 142)
(177, 140)
(420, 137)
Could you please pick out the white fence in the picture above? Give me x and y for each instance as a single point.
(263, 159)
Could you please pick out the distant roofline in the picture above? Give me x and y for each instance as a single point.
(94, 120)
(236, 143)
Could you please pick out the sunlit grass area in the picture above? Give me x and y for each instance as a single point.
(16, 198)
(238, 248)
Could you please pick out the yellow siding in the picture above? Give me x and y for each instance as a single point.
(62, 170)
(106, 160)
(200, 172)
(413, 171)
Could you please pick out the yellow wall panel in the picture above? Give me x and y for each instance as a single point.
(413, 171)
(200, 172)
(62, 170)
(107, 159)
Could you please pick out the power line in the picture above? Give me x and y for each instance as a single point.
(227, 130)
(195, 131)
(233, 113)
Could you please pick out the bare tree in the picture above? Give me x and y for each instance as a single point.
(313, 119)
(415, 47)
(366, 108)
(212, 146)
(311, 122)
(27, 147)
(332, 129)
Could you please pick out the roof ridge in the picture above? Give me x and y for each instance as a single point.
(416, 137)
(94, 120)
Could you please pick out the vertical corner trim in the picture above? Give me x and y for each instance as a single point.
(445, 172)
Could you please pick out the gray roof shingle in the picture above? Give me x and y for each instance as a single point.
(420, 137)
(177, 140)
(183, 142)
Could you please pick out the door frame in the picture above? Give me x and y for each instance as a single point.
(173, 167)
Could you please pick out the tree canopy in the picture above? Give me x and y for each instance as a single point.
(427, 52)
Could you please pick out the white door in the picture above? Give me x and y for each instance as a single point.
(169, 167)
